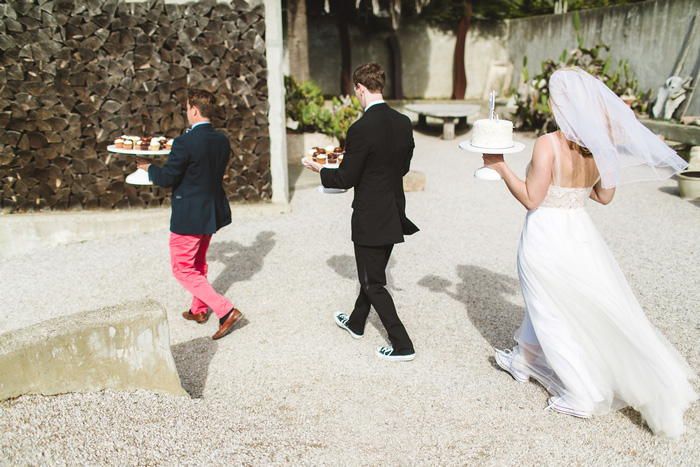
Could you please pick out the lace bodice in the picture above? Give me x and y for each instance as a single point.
(565, 198)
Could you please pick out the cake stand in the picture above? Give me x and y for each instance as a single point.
(140, 177)
(484, 173)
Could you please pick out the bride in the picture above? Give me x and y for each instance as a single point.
(585, 336)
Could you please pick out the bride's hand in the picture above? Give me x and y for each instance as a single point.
(492, 160)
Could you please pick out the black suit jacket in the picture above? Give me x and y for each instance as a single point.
(377, 155)
(195, 169)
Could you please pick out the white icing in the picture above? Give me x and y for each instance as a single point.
(492, 134)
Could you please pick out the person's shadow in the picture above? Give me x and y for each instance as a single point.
(346, 267)
(192, 360)
(484, 294)
(241, 262)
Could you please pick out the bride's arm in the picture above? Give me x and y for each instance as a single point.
(602, 195)
(532, 191)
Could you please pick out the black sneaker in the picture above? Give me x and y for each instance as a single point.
(387, 353)
(341, 319)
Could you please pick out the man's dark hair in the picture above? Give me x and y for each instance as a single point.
(371, 76)
(203, 100)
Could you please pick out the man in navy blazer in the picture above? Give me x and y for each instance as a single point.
(377, 156)
(195, 169)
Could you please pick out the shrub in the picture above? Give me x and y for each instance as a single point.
(306, 106)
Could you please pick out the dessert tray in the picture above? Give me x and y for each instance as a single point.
(467, 146)
(140, 177)
(323, 189)
(327, 165)
(137, 152)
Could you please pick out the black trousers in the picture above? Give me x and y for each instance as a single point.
(371, 271)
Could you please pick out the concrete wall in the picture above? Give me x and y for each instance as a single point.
(426, 52)
(649, 34)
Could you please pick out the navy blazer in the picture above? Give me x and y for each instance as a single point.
(195, 169)
(378, 154)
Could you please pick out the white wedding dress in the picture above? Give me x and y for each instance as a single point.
(587, 337)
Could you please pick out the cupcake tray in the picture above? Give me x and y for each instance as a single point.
(137, 152)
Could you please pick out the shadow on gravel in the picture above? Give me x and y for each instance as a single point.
(671, 190)
(192, 359)
(484, 295)
(241, 262)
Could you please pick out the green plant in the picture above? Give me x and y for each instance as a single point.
(305, 105)
(532, 103)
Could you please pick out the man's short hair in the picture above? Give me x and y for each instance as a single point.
(203, 100)
(371, 76)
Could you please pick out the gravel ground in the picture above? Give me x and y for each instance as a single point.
(289, 387)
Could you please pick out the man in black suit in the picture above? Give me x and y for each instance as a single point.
(195, 169)
(377, 156)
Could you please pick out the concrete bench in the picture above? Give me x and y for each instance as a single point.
(674, 131)
(448, 113)
(124, 347)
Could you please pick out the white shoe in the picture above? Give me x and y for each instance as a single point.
(387, 353)
(341, 319)
(504, 359)
(558, 404)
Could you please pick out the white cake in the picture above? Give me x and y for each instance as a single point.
(492, 134)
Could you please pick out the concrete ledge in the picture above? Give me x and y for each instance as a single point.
(23, 233)
(674, 131)
(125, 347)
(414, 181)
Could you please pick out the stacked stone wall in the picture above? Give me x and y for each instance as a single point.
(76, 74)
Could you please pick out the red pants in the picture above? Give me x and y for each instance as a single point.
(188, 257)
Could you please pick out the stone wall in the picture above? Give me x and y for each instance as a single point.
(650, 34)
(77, 74)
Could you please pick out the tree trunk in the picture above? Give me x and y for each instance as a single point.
(396, 80)
(298, 40)
(459, 75)
(345, 9)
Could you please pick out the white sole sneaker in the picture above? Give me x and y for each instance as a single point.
(558, 404)
(341, 324)
(382, 353)
(505, 361)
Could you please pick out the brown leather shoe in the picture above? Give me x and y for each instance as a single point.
(228, 324)
(201, 318)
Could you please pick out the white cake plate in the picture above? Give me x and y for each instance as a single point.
(140, 177)
(467, 146)
(484, 173)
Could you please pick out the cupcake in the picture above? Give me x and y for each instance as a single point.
(119, 143)
(340, 158)
(169, 144)
(321, 158)
(128, 144)
(155, 146)
(332, 157)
